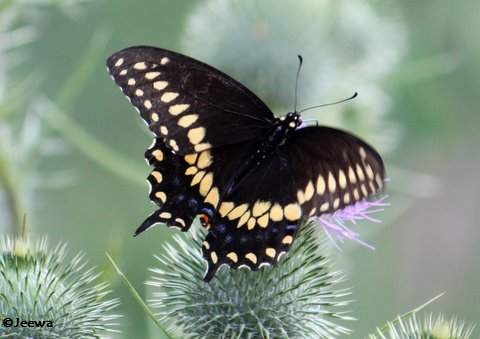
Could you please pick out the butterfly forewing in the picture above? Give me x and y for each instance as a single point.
(189, 104)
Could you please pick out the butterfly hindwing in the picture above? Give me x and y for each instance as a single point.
(332, 169)
(184, 101)
(318, 170)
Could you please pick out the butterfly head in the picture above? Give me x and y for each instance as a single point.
(291, 121)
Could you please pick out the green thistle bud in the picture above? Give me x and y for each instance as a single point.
(432, 327)
(298, 298)
(43, 286)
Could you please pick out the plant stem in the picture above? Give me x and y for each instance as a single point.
(11, 197)
(138, 297)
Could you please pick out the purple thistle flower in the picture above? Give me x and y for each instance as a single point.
(334, 223)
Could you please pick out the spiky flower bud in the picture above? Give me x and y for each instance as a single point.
(298, 298)
(431, 327)
(44, 294)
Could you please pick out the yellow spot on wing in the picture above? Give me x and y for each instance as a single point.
(162, 196)
(205, 159)
(251, 223)
(276, 212)
(159, 85)
(346, 198)
(155, 117)
(140, 66)
(342, 180)
(164, 130)
(252, 257)
(237, 211)
(300, 197)
(260, 207)
(191, 170)
(196, 179)
(203, 146)
(152, 75)
(164, 61)
(158, 176)
(214, 257)
(191, 158)
(131, 82)
(287, 240)
(360, 174)
(356, 195)
(173, 144)
(213, 197)
(206, 245)
(364, 190)
(168, 96)
(309, 190)
(271, 252)
(147, 104)
(187, 120)
(206, 184)
(324, 207)
(332, 185)
(123, 72)
(165, 215)
(336, 203)
(177, 109)
(263, 221)
(139, 93)
(158, 155)
(233, 257)
(225, 207)
(292, 212)
(320, 185)
(243, 219)
(351, 175)
(119, 62)
(362, 152)
(180, 221)
(369, 171)
(196, 135)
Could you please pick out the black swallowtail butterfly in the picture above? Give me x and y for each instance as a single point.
(220, 154)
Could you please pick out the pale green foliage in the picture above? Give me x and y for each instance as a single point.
(38, 283)
(298, 298)
(431, 327)
(347, 46)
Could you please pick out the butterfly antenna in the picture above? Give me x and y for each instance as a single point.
(330, 103)
(300, 62)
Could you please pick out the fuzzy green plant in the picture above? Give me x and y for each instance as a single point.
(300, 297)
(42, 284)
(431, 327)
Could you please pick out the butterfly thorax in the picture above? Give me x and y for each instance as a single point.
(274, 138)
(277, 135)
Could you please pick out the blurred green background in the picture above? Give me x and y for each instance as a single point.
(73, 146)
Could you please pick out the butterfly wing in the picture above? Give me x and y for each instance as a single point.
(189, 104)
(332, 169)
(318, 170)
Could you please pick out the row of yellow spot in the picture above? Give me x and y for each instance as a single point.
(195, 135)
(331, 184)
(252, 257)
(261, 211)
